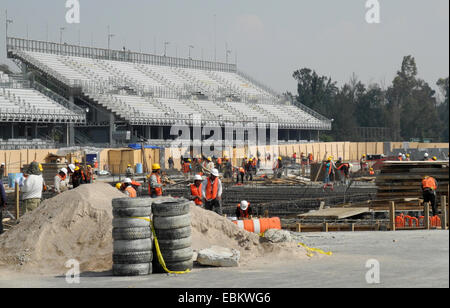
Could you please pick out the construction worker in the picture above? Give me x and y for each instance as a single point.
(186, 168)
(363, 163)
(171, 162)
(210, 164)
(328, 174)
(250, 170)
(228, 168)
(196, 190)
(429, 186)
(425, 157)
(278, 167)
(119, 186)
(32, 188)
(2, 170)
(219, 162)
(129, 173)
(400, 157)
(244, 210)
(155, 184)
(244, 161)
(89, 175)
(371, 171)
(212, 192)
(78, 177)
(408, 157)
(294, 158)
(128, 188)
(61, 181)
(345, 170)
(434, 158)
(310, 158)
(240, 175)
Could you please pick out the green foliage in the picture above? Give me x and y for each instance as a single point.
(409, 107)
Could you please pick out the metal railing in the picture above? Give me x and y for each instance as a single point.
(14, 44)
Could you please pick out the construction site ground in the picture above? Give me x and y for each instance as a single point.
(406, 258)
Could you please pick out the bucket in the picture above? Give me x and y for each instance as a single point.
(12, 177)
(139, 169)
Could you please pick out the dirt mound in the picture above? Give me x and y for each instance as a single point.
(78, 225)
(74, 225)
(209, 228)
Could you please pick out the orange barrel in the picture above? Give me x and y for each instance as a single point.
(436, 221)
(259, 226)
(399, 222)
(412, 220)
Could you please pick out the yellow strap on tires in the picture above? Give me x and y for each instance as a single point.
(309, 249)
(158, 251)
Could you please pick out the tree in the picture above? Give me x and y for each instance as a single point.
(443, 108)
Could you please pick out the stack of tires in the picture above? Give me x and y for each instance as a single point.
(172, 223)
(132, 235)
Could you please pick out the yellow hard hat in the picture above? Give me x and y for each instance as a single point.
(77, 168)
(129, 165)
(40, 168)
(434, 158)
(364, 155)
(251, 159)
(279, 158)
(245, 157)
(371, 169)
(209, 158)
(407, 155)
(76, 161)
(189, 160)
(156, 167)
(118, 185)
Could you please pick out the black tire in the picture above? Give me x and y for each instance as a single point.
(171, 208)
(172, 222)
(131, 222)
(133, 257)
(175, 256)
(175, 244)
(132, 212)
(129, 234)
(172, 266)
(131, 202)
(132, 269)
(173, 234)
(121, 247)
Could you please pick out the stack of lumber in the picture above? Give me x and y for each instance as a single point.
(401, 180)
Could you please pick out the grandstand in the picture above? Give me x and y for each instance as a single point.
(91, 95)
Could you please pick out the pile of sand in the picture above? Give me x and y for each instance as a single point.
(78, 225)
(210, 229)
(74, 225)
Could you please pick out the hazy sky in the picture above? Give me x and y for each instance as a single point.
(272, 38)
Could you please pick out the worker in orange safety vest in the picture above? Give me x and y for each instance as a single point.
(429, 187)
(196, 190)
(212, 192)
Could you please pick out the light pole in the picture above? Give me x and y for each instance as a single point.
(227, 51)
(110, 36)
(8, 21)
(190, 47)
(165, 48)
(61, 34)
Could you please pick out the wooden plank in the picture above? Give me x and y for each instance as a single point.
(335, 213)
(392, 216)
(444, 212)
(427, 216)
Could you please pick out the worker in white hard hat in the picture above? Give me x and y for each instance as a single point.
(196, 190)
(244, 210)
(128, 188)
(425, 157)
(61, 181)
(212, 192)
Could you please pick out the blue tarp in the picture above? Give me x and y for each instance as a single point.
(137, 146)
